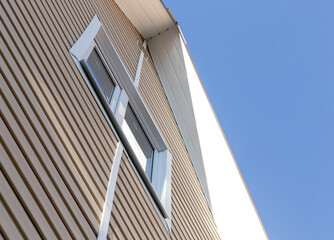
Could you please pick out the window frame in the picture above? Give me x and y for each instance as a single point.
(148, 168)
(125, 92)
(90, 71)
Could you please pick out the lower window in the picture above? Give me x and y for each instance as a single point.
(139, 141)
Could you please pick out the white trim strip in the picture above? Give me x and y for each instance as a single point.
(121, 107)
(139, 66)
(162, 180)
(110, 193)
(86, 39)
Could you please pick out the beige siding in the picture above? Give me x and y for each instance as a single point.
(133, 215)
(56, 145)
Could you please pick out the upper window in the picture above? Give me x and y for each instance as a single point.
(100, 73)
(119, 99)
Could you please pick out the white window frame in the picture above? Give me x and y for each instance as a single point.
(144, 161)
(82, 50)
(126, 90)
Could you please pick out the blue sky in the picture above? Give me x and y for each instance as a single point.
(268, 68)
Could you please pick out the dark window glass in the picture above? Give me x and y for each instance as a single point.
(101, 74)
(141, 139)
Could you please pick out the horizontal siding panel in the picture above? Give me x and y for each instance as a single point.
(14, 219)
(54, 110)
(32, 195)
(132, 205)
(8, 225)
(44, 171)
(150, 210)
(131, 212)
(27, 88)
(50, 83)
(59, 145)
(55, 150)
(78, 87)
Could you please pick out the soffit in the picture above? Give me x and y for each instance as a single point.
(150, 17)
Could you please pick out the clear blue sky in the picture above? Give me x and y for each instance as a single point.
(268, 68)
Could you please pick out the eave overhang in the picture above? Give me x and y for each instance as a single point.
(150, 17)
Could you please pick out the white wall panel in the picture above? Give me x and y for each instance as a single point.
(233, 209)
(172, 71)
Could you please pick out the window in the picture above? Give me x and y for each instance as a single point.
(98, 69)
(139, 140)
(120, 101)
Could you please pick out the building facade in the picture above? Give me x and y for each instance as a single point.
(106, 130)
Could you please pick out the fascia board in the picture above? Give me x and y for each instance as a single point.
(232, 206)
